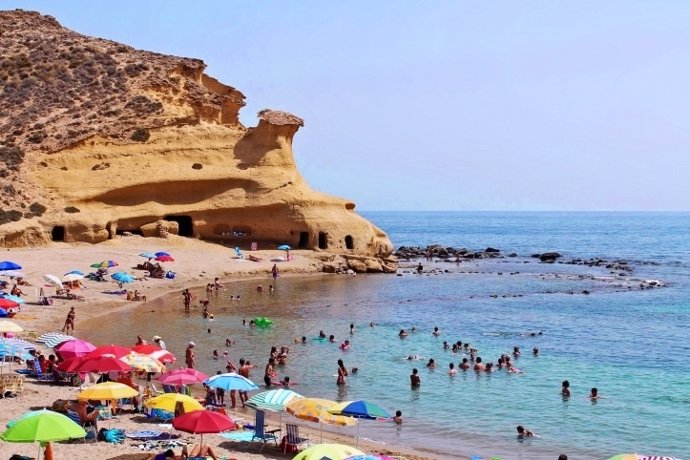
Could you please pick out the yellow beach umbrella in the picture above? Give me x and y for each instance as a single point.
(624, 457)
(316, 410)
(143, 362)
(108, 391)
(9, 326)
(328, 451)
(168, 401)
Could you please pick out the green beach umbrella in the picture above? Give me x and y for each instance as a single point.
(43, 426)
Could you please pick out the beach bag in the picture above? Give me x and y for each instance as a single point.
(113, 435)
(170, 275)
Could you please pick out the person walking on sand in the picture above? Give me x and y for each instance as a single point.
(69, 321)
(189, 355)
(342, 373)
(274, 271)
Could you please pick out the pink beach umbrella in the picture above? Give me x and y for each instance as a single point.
(74, 349)
(179, 377)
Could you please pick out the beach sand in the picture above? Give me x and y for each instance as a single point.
(196, 263)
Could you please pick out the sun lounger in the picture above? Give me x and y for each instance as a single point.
(292, 440)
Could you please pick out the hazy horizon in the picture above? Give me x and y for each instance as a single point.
(447, 105)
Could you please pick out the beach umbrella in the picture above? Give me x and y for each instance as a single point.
(161, 253)
(72, 277)
(203, 421)
(12, 274)
(13, 298)
(231, 381)
(16, 344)
(639, 457)
(42, 426)
(105, 264)
(51, 339)
(178, 377)
(3, 313)
(165, 259)
(53, 280)
(284, 247)
(328, 452)
(98, 364)
(122, 277)
(145, 349)
(9, 265)
(148, 255)
(143, 363)
(272, 400)
(316, 410)
(75, 272)
(163, 356)
(168, 401)
(9, 326)
(7, 303)
(108, 391)
(115, 351)
(359, 409)
(74, 349)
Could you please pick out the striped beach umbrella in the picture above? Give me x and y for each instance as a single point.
(105, 264)
(359, 409)
(52, 339)
(272, 400)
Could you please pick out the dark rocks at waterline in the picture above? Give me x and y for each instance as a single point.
(436, 251)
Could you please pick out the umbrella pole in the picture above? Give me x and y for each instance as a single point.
(39, 451)
(357, 433)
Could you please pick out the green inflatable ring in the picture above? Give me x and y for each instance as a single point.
(262, 321)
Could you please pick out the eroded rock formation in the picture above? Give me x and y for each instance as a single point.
(99, 138)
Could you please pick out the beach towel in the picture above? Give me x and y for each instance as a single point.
(145, 435)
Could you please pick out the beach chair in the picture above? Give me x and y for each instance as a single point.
(40, 376)
(90, 428)
(292, 440)
(260, 432)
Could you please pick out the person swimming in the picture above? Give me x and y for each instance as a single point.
(523, 433)
(431, 364)
(436, 332)
(452, 370)
(322, 335)
(565, 389)
(403, 333)
(345, 345)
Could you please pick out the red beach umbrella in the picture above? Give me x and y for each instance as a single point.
(179, 377)
(203, 421)
(74, 348)
(145, 349)
(116, 351)
(101, 364)
(163, 356)
(7, 303)
(165, 258)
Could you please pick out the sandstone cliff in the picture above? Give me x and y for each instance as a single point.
(97, 139)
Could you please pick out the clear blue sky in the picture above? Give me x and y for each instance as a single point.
(457, 105)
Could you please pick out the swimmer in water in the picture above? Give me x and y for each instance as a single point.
(465, 364)
(402, 333)
(215, 354)
(331, 338)
(523, 433)
(431, 364)
(304, 340)
(415, 381)
(228, 342)
(322, 335)
(398, 417)
(345, 345)
(535, 351)
(516, 352)
(594, 394)
(565, 389)
(436, 332)
(452, 370)
(352, 329)
(446, 346)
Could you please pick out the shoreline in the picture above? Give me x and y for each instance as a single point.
(193, 273)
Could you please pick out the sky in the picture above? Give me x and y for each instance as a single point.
(447, 105)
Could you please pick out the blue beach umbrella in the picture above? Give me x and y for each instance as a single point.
(74, 272)
(284, 247)
(123, 277)
(3, 313)
(9, 265)
(231, 381)
(148, 255)
(360, 409)
(52, 339)
(272, 400)
(161, 253)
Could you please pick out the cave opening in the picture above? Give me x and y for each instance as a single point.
(349, 242)
(58, 233)
(303, 240)
(323, 240)
(186, 226)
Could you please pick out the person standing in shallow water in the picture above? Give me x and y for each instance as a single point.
(189, 355)
(342, 373)
(415, 381)
(274, 271)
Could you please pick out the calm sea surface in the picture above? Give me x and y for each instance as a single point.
(633, 345)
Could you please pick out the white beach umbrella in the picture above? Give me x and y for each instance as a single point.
(12, 274)
(9, 326)
(72, 277)
(54, 280)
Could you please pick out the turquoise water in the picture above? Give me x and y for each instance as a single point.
(631, 344)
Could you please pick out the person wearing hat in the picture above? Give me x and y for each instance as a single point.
(189, 355)
(159, 342)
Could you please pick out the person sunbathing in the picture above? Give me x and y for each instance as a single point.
(85, 417)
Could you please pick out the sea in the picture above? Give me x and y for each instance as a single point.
(594, 326)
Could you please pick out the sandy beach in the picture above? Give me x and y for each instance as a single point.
(196, 264)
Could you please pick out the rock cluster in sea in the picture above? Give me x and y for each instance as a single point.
(437, 251)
